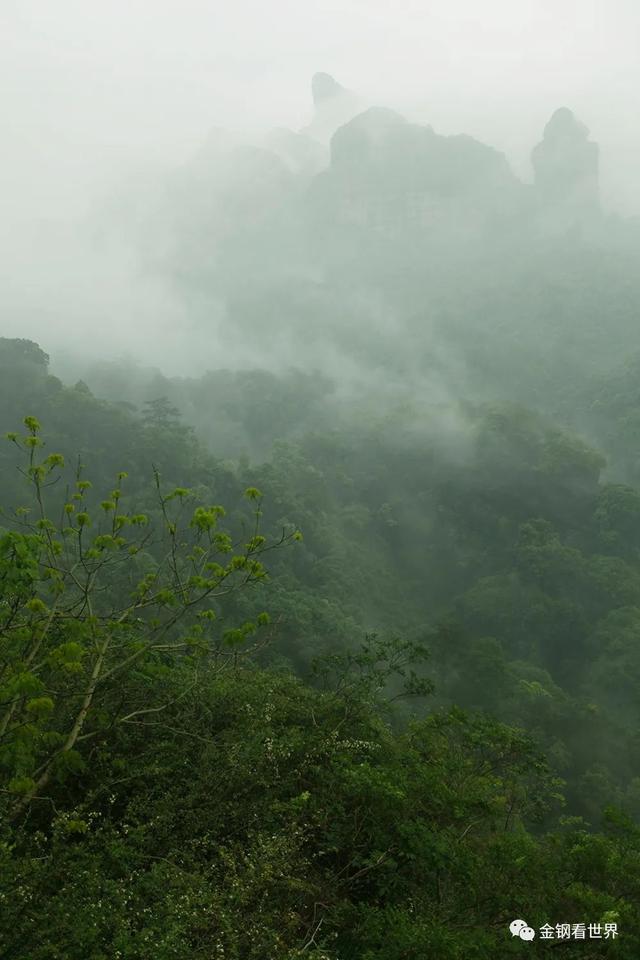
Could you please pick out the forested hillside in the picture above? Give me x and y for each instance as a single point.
(333, 651)
(453, 637)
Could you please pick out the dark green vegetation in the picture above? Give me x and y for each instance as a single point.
(433, 731)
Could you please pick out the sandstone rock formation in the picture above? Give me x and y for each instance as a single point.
(565, 163)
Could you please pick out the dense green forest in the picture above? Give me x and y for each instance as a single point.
(335, 653)
(401, 728)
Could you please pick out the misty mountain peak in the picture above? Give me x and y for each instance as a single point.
(333, 106)
(324, 87)
(564, 124)
(565, 162)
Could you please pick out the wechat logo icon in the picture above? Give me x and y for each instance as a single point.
(520, 928)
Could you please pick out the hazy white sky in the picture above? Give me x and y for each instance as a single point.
(90, 88)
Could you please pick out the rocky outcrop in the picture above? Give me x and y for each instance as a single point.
(333, 106)
(565, 163)
(381, 192)
(394, 178)
(380, 148)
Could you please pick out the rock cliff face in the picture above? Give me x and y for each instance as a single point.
(380, 148)
(388, 175)
(400, 179)
(333, 106)
(565, 163)
(372, 170)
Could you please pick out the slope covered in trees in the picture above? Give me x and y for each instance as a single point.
(434, 732)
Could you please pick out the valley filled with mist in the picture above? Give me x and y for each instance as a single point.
(320, 548)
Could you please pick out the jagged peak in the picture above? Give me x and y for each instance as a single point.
(564, 124)
(324, 87)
